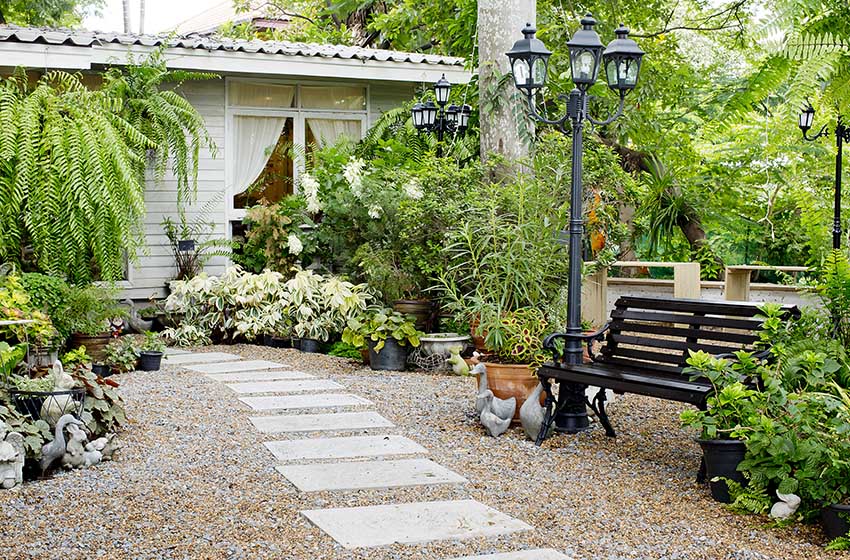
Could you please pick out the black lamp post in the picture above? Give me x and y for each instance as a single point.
(842, 134)
(529, 59)
(439, 119)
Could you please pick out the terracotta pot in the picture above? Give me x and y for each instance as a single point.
(477, 340)
(419, 308)
(511, 380)
(364, 355)
(94, 344)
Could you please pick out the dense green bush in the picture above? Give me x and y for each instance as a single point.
(50, 294)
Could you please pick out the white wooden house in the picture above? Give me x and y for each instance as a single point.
(268, 93)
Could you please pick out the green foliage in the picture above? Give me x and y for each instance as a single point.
(833, 288)
(15, 305)
(269, 240)
(201, 231)
(24, 383)
(104, 411)
(840, 543)
(49, 294)
(36, 433)
(750, 499)
(344, 350)
(380, 325)
(122, 353)
(50, 13)
(152, 343)
(10, 358)
(76, 357)
(90, 308)
(518, 337)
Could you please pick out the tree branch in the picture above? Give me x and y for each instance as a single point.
(283, 12)
(727, 15)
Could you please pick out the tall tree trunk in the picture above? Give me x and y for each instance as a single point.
(127, 16)
(141, 17)
(499, 24)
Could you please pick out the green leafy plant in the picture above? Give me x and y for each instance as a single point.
(36, 432)
(274, 238)
(750, 499)
(15, 305)
(24, 383)
(122, 353)
(152, 343)
(76, 357)
(840, 543)
(48, 294)
(379, 326)
(201, 231)
(89, 309)
(104, 410)
(342, 349)
(10, 358)
(518, 337)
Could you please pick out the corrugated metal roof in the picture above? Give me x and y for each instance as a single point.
(70, 37)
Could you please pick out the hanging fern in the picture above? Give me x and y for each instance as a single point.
(72, 165)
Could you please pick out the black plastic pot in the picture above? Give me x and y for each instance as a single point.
(102, 370)
(722, 457)
(392, 357)
(150, 361)
(295, 342)
(835, 520)
(311, 345)
(266, 340)
(281, 342)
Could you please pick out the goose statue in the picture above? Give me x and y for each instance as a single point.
(138, 324)
(106, 445)
(54, 450)
(480, 401)
(786, 506)
(531, 414)
(458, 364)
(494, 420)
(57, 405)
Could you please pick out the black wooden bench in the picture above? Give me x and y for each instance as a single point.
(645, 347)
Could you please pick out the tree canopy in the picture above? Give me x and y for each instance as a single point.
(46, 12)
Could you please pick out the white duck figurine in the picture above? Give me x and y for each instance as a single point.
(531, 413)
(786, 506)
(480, 401)
(54, 450)
(62, 381)
(57, 405)
(494, 423)
(106, 445)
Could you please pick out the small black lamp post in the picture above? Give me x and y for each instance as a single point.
(439, 119)
(529, 59)
(842, 134)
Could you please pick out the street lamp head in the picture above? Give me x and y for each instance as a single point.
(418, 112)
(453, 114)
(442, 89)
(430, 114)
(807, 117)
(529, 59)
(622, 61)
(463, 121)
(585, 53)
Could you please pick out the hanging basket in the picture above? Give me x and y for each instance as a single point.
(54, 403)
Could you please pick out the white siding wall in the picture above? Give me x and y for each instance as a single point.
(155, 266)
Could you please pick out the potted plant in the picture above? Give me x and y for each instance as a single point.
(122, 354)
(151, 352)
(387, 334)
(730, 410)
(89, 311)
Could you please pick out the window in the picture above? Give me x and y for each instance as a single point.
(258, 94)
(334, 98)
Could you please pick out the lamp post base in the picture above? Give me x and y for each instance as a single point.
(571, 416)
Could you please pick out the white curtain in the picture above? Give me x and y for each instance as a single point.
(250, 94)
(328, 131)
(254, 138)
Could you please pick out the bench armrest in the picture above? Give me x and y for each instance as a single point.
(589, 339)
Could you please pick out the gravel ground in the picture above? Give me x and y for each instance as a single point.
(193, 481)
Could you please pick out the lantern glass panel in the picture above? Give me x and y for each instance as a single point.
(430, 114)
(584, 67)
(521, 72)
(442, 94)
(806, 119)
(418, 115)
(464, 116)
(539, 70)
(452, 113)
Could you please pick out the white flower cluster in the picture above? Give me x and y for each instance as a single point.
(353, 173)
(413, 190)
(310, 189)
(375, 211)
(294, 244)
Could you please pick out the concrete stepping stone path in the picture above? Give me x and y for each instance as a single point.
(343, 447)
(536, 554)
(418, 522)
(263, 375)
(199, 358)
(285, 386)
(340, 421)
(295, 402)
(229, 367)
(368, 474)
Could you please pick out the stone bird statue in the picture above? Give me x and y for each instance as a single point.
(494, 420)
(137, 323)
(531, 413)
(786, 506)
(54, 450)
(459, 366)
(106, 445)
(480, 400)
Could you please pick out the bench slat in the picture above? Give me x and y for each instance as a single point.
(645, 355)
(683, 332)
(743, 324)
(708, 307)
(669, 344)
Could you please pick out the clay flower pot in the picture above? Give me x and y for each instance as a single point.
(511, 380)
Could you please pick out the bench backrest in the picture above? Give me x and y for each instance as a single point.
(657, 334)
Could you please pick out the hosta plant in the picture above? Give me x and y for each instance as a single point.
(379, 326)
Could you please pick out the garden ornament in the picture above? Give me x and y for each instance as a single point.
(105, 445)
(493, 418)
(480, 401)
(12, 455)
(459, 366)
(57, 405)
(786, 506)
(137, 324)
(55, 450)
(531, 413)
(75, 447)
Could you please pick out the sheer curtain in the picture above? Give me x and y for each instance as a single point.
(253, 140)
(328, 131)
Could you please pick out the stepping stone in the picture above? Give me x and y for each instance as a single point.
(343, 447)
(342, 421)
(229, 367)
(417, 522)
(285, 386)
(536, 554)
(294, 402)
(259, 376)
(368, 474)
(199, 358)
(175, 351)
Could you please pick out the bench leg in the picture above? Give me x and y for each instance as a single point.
(598, 407)
(548, 415)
